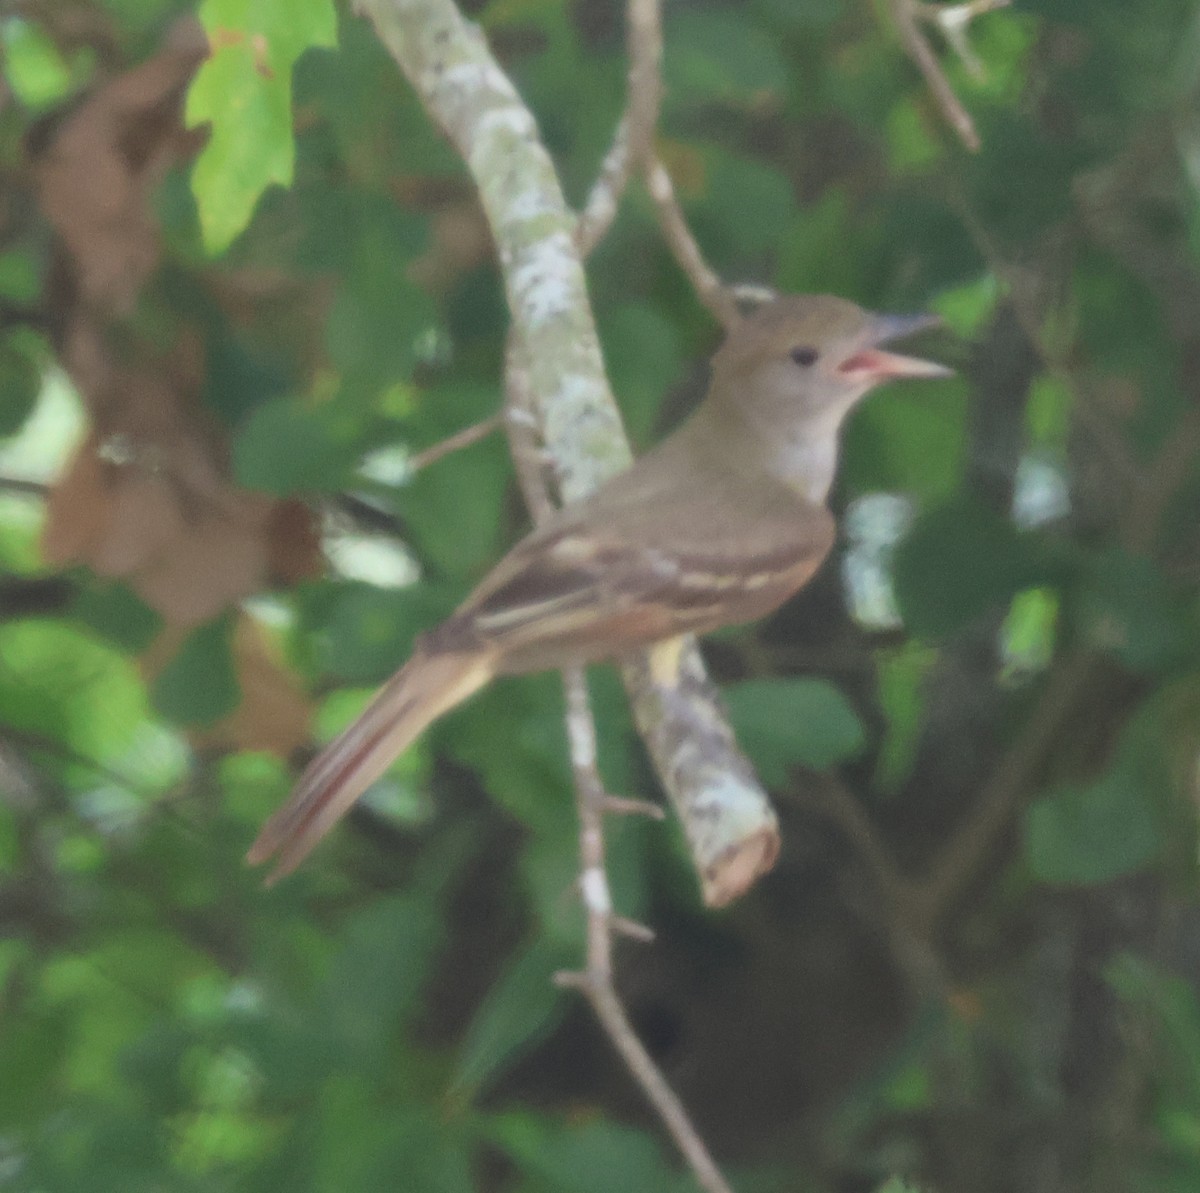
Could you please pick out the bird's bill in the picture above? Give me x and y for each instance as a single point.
(873, 364)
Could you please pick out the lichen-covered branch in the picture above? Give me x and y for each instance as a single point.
(449, 64)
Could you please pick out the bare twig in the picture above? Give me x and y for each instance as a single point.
(520, 424)
(456, 442)
(596, 981)
(682, 244)
(907, 15)
(605, 196)
(644, 42)
(635, 133)
(954, 21)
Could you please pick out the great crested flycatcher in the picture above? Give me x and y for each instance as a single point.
(718, 524)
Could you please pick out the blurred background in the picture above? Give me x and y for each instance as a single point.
(975, 965)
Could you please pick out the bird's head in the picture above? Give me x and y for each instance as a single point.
(814, 355)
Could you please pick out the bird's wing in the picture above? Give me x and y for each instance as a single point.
(611, 572)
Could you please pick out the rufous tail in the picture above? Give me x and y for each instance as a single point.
(429, 684)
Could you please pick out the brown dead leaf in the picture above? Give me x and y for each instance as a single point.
(96, 178)
(294, 542)
(274, 713)
(212, 565)
(78, 507)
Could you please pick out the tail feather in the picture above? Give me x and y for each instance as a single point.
(428, 685)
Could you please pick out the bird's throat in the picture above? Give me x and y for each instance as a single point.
(805, 461)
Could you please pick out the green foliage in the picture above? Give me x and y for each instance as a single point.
(903, 675)
(244, 92)
(199, 685)
(386, 1017)
(988, 562)
(794, 722)
(591, 1158)
(910, 441)
(1092, 832)
(286, 447)
(1125, 605)
(33, 67)
(522, 1006)
(20, 381)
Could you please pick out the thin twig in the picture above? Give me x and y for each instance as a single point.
(907, 15)
(634, 137)
(954, 22)
(671, 220)
(596, 982)
(520, 424)
(456, 442)
(605, 196)
(594, 804)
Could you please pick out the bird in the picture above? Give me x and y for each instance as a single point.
(719, 524)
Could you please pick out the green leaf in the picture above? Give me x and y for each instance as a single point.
(383, 960)
(785, 723)
(716, 55)
(596, 1157)
(199, 685)
(250, 143)
(1092, 832)
(1048, 414)
(522, 1007)
(745, 202)
(33, 67)
(1030, 631)
(812, 246)
(370, 631)
(283, 29)
(117, 613)
(902, 675)
(20, 384)
(910, 439)
(20, 280)
(960, 561)
(244, 91)
(380, 315)
(966, 308)
(456, 510)
(912, 142)
(642, 353)
(286, 446)
(1171, 1003)
(1126, 607)
(60, 683)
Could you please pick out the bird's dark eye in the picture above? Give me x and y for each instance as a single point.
(804, 356)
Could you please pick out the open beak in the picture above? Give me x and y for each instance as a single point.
(873, 365)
